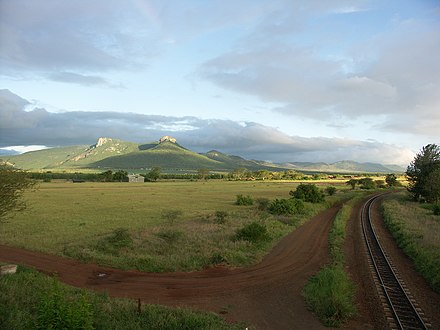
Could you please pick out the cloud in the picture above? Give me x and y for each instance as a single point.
(70, 77)
(56, 38)
(390, 77)
(247, 139)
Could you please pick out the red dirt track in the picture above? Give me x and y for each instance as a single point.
(265, 296)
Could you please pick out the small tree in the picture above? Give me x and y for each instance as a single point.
(330, 190)
(433, 186)
(203, 173)
(352, 183)
(308, 193)
(106, 176)
(367, 183)
(154, 174)
(419, 170)
(120, 176)
(391, 180)
(13, 183)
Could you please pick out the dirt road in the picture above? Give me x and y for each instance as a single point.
(265, 296)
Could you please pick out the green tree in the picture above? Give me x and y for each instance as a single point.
(391, 180)
(352, 183)
(13, 183)
(106, 176)
(308, 193)
(120, 176)
(419, 170)
(203, 173)
(433, 186)
(154, 174)
(238, 173)
(330, 190)
(367, 183)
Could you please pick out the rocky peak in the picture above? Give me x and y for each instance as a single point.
(167, 138)
(101, 141)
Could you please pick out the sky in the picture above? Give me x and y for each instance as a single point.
(279, 80)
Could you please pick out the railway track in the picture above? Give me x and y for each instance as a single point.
(404, 314)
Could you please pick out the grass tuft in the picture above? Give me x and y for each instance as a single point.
(330, 294)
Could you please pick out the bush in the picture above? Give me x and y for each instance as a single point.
(367, 183)
(330, 294)
(262, 204)
(120, 238)
(286, 206)
(436, 209)
(244, 200)
(253, 232)
(308, 193)
(55, 312)
(330, 190)
(220, 217)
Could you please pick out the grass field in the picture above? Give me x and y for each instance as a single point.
(417, 231)
(164, 226)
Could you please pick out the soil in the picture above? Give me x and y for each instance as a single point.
(265, 296)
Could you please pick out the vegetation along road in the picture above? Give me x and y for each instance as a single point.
(267, 295)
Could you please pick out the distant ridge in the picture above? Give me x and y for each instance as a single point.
(110, 153)
(345, 166)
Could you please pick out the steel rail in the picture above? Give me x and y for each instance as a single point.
(403, 310)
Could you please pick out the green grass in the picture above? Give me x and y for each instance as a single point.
(157, 227)
(417, 231)
(30, 300)
(331, 293)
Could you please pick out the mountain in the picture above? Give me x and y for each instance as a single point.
(108, 153)
(346, 166)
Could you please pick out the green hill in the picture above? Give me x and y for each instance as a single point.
(167, 155)
(72, 157)
(345, 166)
(112, 154)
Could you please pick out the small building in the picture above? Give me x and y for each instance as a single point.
(135, 178)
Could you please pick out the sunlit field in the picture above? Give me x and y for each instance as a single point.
(161, 226)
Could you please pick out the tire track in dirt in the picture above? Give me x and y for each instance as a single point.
(266, 296)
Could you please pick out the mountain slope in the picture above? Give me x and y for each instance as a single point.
(167, 155)
(73, 156)
(346, 166)
(113, 154)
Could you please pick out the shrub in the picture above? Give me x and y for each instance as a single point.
(170, 235)
(56, 312)
(330, 190)
(286, 206)
(330, 293)
(436, 209)
(244, 200)
(217, 258)
(253, 232)
(262, 204)
(367, 183)
(220, 216)
(120, 238)
(308, 193)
